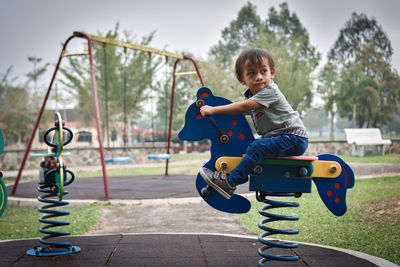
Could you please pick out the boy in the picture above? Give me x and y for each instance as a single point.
(283, 133)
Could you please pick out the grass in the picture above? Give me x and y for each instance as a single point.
(22, 222)
(371, 224)
(388, 159)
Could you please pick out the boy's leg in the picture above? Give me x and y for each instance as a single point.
(279, 146)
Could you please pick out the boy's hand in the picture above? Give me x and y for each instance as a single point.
(206, 111)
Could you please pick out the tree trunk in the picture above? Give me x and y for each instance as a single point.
(354, 114)
(332, 130)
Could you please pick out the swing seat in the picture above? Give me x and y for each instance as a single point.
(159, 156)
(118, 160)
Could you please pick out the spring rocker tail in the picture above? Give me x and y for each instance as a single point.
(230, 136)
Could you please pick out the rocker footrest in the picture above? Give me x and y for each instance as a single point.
(280, 184)
(297, 166)
(273, 177)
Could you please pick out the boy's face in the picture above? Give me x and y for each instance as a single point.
(257, 76)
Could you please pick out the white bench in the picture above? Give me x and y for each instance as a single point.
(360, 137)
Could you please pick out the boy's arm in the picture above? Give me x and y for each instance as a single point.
(230, 109)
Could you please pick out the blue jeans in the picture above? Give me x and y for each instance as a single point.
(280, 146)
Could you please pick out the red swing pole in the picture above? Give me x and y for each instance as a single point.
(172, 103)
(96, 106)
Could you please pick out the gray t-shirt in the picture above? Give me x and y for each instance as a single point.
(276, 116)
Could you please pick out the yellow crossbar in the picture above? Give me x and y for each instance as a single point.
(144, 48)
(74, 54)
(185, 73)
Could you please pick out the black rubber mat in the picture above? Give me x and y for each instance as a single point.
(169, 250)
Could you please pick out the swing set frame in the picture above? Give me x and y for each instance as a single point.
(104, 41)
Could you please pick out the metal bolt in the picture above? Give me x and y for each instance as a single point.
(200, 103)
(224, 139)
(333, 168)
(258, 169)
(224, 165)
(303, 171)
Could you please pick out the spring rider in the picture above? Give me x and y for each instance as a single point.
(273, 177)
(3, 188)
(53, 178)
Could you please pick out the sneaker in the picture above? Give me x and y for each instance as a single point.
(218, 181)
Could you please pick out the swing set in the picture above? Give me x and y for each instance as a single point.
(126, 45)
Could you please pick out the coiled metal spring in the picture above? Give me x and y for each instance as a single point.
(50, 191)
(267, 244)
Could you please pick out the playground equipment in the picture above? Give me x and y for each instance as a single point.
(159, 156)
(3, 188)
(114, 42)
(273, 177)
(52, 185)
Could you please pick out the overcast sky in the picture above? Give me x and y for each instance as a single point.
(37, 28)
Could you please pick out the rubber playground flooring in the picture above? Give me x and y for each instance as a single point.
(123, 187)
(169, 250)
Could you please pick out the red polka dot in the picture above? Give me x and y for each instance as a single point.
(338, 199)
(329, 193)
(198, 116)
(204, 94)
(338, 185)
(234, 121)
(230, 132)
(242, 136)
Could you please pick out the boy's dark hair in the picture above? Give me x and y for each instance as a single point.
(253, 56)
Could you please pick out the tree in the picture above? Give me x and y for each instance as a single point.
(282, 34)
(241, 32)
(288, 28)
(36, 72)
(372, 64)
(362, 53)
(15, 119)
(327, 90)
(358, 98)
(359, 32)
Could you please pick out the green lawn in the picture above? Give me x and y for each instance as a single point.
(22, 222)
(388, 159)
(371, 224)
